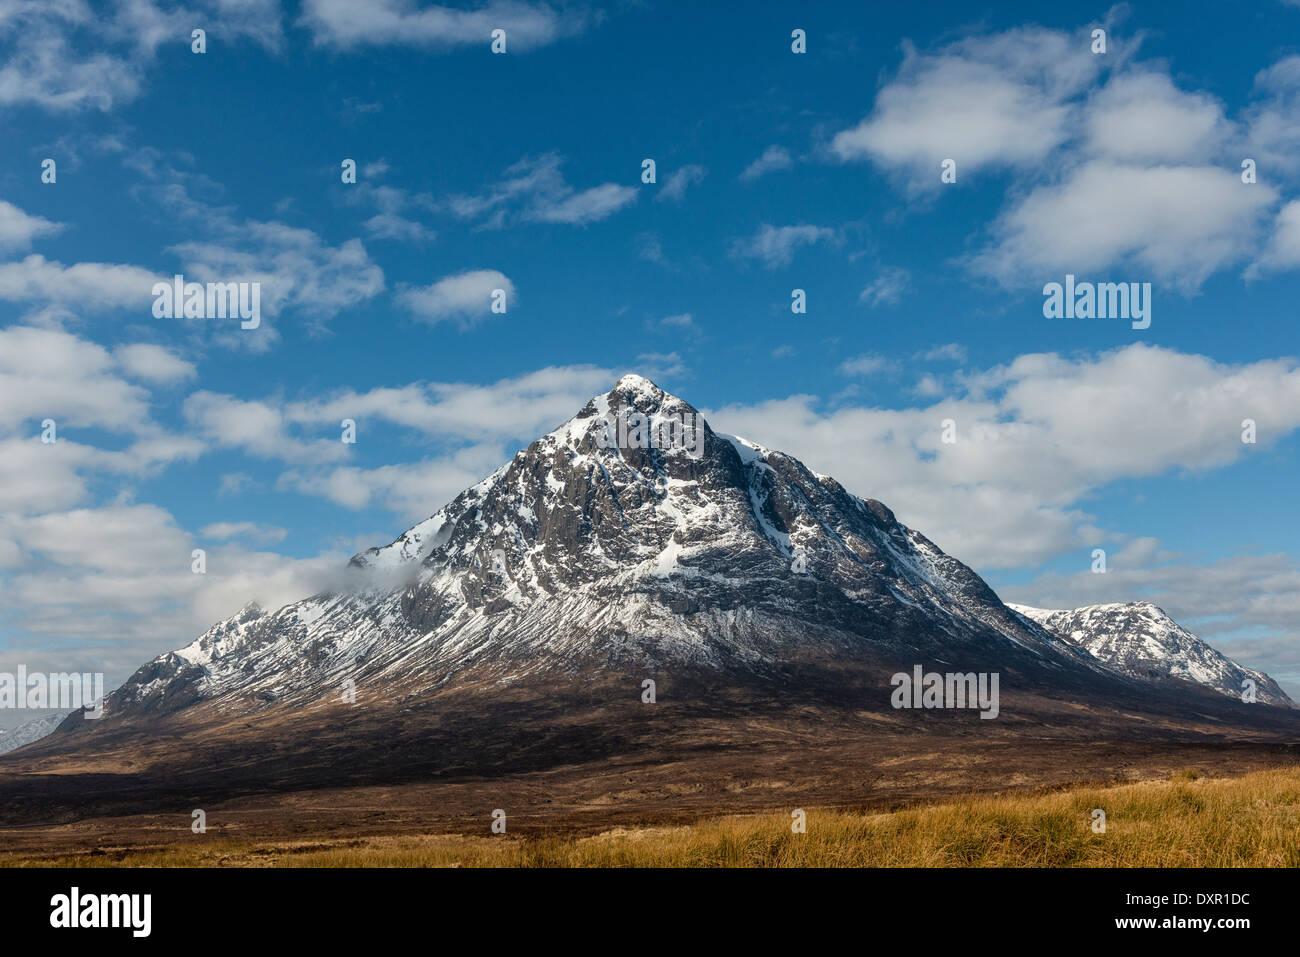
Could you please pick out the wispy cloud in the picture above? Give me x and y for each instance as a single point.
(776, 245)
(674, 188)
(535, 190)
(350, 24)
(774, 158)
(887, 288)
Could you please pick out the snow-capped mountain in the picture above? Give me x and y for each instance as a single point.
(603, 554)
(587, 551)
(30, 731)
(1139, 640)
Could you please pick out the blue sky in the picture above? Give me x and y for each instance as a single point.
(775, 171)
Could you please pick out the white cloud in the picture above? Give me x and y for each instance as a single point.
(775, 245)
(51, 374)
(1283, 250)
(520, 408)
(1273, 121)
(681, 321)
(124, 539)
(410, 490)
(661, 365)
(393, 226)
(79, 286)
(259, 428)
(18, 229)
(125, 571)
(154, 363)
(1175, 224)
(45, 70)
(70, 55)
(534, 190)
(1127, 173)
(588, 206)
(999, 100)
(774, 158)
(394, 207)
(949, 352)
(47, 373)
(886, 289)
(466, 296)
(348, 24)
(928, 387)
(674, 188)
(295, 267)
(1144, 117)
(250, 531)
(864, 365)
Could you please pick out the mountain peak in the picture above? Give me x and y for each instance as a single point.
(1141, 640)
(636, 393)
(637, 383)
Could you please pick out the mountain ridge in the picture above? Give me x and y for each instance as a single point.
(1141, 640)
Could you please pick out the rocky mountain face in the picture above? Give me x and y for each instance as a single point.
(1139, 640)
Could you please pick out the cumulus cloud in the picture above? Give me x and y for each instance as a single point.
(987, 101)
(1283, 249)
(296, 267)
(465, 296)
(38, 280)
(1175, 224)
(519, 407)
(153, 363)
(1273, 120)
(257, 427)
(407, 489)
(50, 373)
(1143, 116)
(1114, 164)
(18, 229)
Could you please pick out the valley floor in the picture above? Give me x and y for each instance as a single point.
(1186, 819)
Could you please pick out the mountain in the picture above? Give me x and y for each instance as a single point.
(513, 633)
(30, 731)
(614, 557)
(1139, 640)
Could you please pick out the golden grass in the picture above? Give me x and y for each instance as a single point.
(1189, 821)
